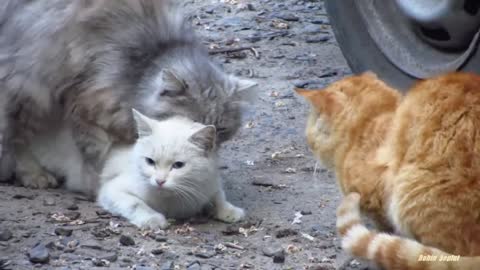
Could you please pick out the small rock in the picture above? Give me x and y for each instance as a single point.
(157, 251)
(91, 245)
(5, 235)
(72, 215)
(63, 231)
(253, 38)
(279, 257)
(100, 263)
(305, 213)
(322, 267)
(111, 257)
(194, 266)
(161, 239)
(102, 213)
(313, 29)
(141, 267)
(39, 254)
(231, 230)
(72, 207)
(49, 201)
(205, 254)
(4, 263)
(127, 240)
(317, 39)
(23, 196)
(289, 17)
(169, 265)
(271, 251)
(285, 233)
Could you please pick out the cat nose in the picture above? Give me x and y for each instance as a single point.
(160, 182)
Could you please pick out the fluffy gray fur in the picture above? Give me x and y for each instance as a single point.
(91, 61)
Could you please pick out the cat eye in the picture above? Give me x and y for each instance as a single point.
(150, 161)
(178, 165)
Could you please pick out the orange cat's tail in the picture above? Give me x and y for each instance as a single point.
(389, 251)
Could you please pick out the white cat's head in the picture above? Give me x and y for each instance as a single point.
(175, 154)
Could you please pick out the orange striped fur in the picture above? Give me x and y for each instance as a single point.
(414, 160)
(389, 251)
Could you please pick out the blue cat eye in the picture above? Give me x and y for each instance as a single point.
(178, 165)
(150, 161)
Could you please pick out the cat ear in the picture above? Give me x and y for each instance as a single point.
(305, 93)
(172, 84)
(243, 89)
(328, 103)
(369, 74)
(205, 138)
(143, 124)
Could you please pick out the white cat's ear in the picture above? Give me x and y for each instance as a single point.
(205, 138)
(172, 84)
(143, 124)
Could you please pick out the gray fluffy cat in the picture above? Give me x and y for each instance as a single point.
(88, 62)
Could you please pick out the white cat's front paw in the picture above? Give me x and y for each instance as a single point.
(230, 213)
(39, 180)
(151, 221)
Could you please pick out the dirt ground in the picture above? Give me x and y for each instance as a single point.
(267, 168)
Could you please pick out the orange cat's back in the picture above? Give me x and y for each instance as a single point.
(438, 122)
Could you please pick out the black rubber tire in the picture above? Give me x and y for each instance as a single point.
(361, 52)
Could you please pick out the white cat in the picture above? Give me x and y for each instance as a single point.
(171, 171)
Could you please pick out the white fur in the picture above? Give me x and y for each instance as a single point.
(129, 187)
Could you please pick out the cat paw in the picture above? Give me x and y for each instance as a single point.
(39, 181)
(152, 222)
(230, 213)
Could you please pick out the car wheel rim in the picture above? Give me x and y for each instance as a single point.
(423, 38)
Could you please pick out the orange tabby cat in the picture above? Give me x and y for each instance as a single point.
(414, 160)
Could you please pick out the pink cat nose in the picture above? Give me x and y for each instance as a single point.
(160, 182)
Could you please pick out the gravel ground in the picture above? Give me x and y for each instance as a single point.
(267, 168)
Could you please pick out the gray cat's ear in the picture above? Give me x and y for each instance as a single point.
(243, 89)
(172, 84)
(143, 124)
(205, 138)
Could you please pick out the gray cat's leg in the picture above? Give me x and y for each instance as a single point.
(120, 202)
(29, 172)
(7, 155)
(224, 210)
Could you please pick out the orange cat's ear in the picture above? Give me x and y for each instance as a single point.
(308, 94)
(328, 103)
(370, 74)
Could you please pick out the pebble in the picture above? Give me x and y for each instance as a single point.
(194, 266)
(157, 251)
(169, 265)
(322, 266)
(161, 239)
(110, 256)
(271, 251)
(63, 231)
(100, 263)
(72, 207)
(313, 29)
(289, 17)
(279, 257)
(126, 240)
(39, 254)
(72, 215)
(285, 233)
(5, 235)
(205, 254)
(317, 39)
(49, 201)
(92, 245)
